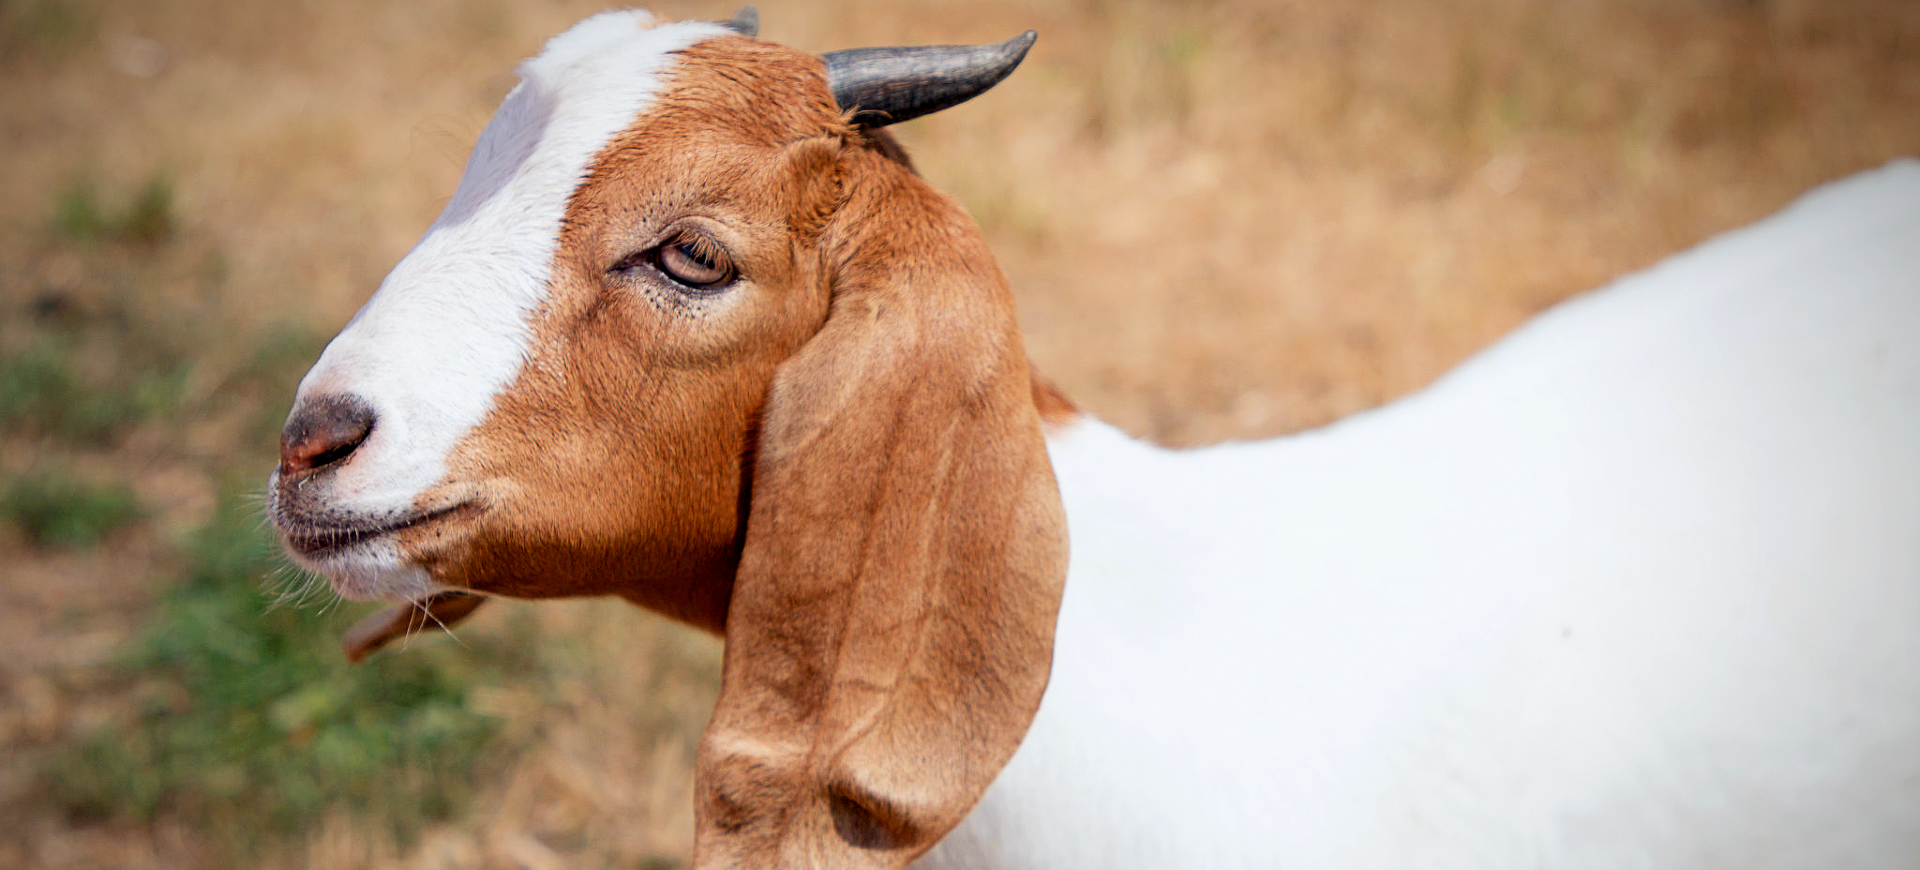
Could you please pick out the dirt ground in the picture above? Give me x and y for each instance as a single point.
(1223, 219)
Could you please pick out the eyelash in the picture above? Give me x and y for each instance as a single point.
(685, 259)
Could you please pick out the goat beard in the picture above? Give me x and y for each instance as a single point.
(440, 611)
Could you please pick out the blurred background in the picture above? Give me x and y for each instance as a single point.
(1223, 219)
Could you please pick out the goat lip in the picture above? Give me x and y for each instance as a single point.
(315, 540)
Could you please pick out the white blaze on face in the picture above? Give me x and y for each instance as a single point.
(448, 329)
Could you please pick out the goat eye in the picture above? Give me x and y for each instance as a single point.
(695, 261)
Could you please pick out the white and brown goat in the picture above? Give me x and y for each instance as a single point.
(1638, 588)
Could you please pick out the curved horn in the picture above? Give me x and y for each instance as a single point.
(889, 85)
(746, 22)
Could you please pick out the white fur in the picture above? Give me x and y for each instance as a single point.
(1637, 588)
(448, 329)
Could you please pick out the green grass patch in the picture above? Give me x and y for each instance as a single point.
(77, 213)
(149, 219)
(253, 726)
(56, 510)
(51, 29)
(43, 392)
(81, 214)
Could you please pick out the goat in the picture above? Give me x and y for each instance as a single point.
(1638, 587)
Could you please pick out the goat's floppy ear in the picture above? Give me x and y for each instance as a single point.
(891, 625)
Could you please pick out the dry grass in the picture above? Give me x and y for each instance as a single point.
(1224, 218)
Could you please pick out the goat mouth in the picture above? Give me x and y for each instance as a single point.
(318, 540)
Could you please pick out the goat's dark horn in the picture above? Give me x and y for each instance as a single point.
(888, 85)
(746, 22)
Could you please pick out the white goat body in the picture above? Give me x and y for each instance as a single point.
(1637, 587)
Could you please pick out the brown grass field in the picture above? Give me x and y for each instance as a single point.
(1223, 219)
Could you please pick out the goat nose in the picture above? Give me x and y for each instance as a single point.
(324, 431)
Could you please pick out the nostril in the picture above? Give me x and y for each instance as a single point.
(324, 431)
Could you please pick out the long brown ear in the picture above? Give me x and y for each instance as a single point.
(891, 625)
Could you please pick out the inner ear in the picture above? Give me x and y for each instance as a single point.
(814, 174)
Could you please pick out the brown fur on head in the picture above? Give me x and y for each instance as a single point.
(644, 403)
(630, 429)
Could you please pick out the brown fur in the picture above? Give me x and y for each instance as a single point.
(838, 460)
(1056, 410)
(621, 448)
